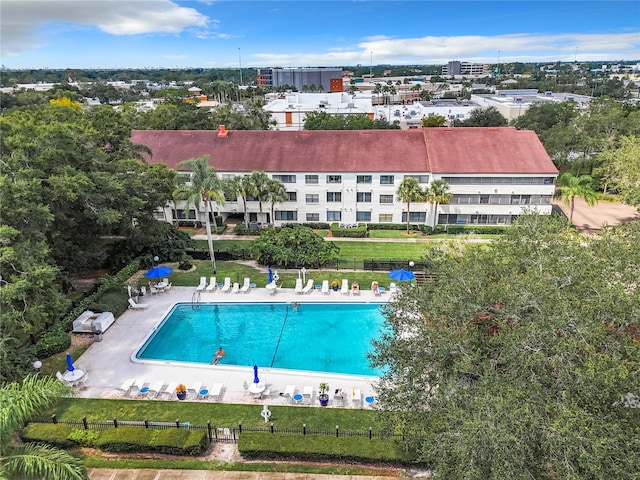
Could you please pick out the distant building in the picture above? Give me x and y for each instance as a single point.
(465, 68)
(324, 79)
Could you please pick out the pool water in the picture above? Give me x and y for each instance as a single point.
(321, 337)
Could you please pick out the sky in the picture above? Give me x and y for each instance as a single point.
(235, 33)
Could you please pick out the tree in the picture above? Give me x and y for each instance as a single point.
(203, 186)
(519, 359)
(18, 403)
(437, 193)
(409, 191)
(570, 187)
(277, 193)
(483, 117)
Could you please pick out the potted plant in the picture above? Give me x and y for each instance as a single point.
(181, 392)
(335, 284)
(324, 396)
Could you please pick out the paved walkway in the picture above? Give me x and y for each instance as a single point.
(150, 474)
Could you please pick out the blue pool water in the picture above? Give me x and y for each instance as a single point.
(320, 337)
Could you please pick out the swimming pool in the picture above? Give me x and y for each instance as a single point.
(320, 337)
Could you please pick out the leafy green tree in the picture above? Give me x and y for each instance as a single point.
(293, 246)
(569, 187)
(437, 193)
(201, 187)
(409, 191)
(483, 117)
(19, 402)
(620, 169)
(519, 359)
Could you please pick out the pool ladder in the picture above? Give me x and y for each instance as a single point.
(195, 301)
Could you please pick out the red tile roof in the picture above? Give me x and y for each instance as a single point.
(439, 150)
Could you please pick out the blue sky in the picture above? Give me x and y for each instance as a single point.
(210, 33)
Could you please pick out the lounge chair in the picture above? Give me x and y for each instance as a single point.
(226, 288)
(325, 287)
(298, 288)
(137, 306)
(212, 284)
(308, 288)
(355, 288)
(235, 288)
(202, 285)
(375, 289)
(246, 285)
(345, 287)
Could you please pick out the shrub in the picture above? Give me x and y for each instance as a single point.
(56, 434)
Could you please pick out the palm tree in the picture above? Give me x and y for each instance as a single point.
(438, 193)
(277, 194)
(409, 191)
(203, 186)
(20, 402)
(570, 187)
(259, 184)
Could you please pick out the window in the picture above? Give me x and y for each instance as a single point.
(334, 196)
(364, 179)
(386, 198)
(292, 196)
(363, 216)
(363, 197)
(419, 178)
(334, 178)
(333, 216)
(313, 217)
(285, 178)
(386, 179)
(289, 215)
(312, 198)
(385, 218)
(415, 217)
(311, 179)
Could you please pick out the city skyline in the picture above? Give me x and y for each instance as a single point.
(230, 34)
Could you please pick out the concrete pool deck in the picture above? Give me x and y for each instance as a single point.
(109, 364)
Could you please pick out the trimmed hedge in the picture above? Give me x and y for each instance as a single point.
(56, 434)
(262, 446)
(468, 229)
(359, 232)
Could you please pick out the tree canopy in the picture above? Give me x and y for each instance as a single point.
(518, 360)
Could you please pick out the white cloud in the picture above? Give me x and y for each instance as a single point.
(22, 20)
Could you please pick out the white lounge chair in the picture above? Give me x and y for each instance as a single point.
(137, 306)
(246, 285)
(325, 287)
(212, 284)
(298, 288)
(345, 287)
(202, 285)
(226, 288)
(308, 288)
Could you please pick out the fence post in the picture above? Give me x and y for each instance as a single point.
(271, 427)
(177, 423)
(146, 423)
(84, 423)
(304, 428)
(239, 427)
(115, 422)
(370, 434)
(209, 429)
(54, 418)
(337, 431)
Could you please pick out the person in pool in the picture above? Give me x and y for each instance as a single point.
(220, 353)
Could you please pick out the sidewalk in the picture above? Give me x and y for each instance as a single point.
(149, 474)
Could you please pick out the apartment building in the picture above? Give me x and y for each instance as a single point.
(352, 176)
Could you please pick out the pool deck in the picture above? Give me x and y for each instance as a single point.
(109, 363)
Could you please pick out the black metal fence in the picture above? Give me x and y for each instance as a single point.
(215, 433)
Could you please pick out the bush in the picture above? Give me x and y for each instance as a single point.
(53, 341)
(56, 434)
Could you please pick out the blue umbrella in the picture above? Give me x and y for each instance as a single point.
(270, 276)
(255, 374)
(401, 275)
(69, 362)
(158, 272)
